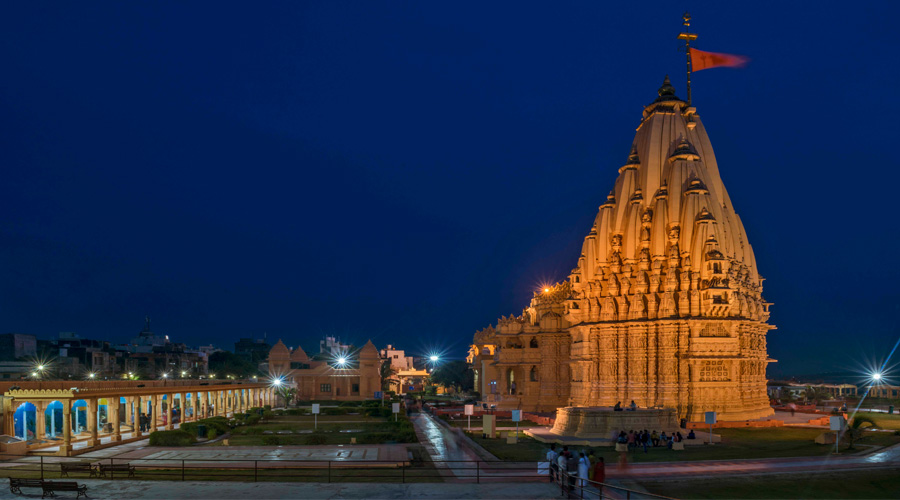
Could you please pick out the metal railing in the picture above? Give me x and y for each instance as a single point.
(286, 470)
(572, 486)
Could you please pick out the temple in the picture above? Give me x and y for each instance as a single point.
(355, 380)
(665, 305)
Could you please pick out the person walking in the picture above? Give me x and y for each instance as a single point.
(583, 466)
(572, 469)
(599, 476)
(552, 457)
(561, 465)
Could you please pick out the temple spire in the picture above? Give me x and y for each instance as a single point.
(687, 36)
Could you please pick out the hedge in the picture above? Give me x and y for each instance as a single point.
(172, 438)
(220, 424)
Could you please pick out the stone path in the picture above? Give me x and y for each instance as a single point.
(225, 490)
(888, 457)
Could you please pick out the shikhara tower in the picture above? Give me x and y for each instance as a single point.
(665, 306)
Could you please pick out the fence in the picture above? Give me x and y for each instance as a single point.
(573, 487)
(324, 471)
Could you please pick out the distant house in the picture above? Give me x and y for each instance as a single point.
(357, 379)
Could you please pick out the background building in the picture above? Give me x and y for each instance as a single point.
(17, 346)
(315, 379)
(398, 358)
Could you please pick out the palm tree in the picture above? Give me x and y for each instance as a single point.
(816, 394)
(857, 427)
(386, 372)
(287, 393)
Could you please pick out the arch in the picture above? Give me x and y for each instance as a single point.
(533, 374)
(79, 418)
(53, 419)
(511, 380)
(533, 343)
(24, 421)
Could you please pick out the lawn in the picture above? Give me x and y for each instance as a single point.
(329, 430)
(880, 483)
(772, 442)
(884, 420)
(477, 422)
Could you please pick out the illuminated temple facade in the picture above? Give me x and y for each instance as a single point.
(665, 306)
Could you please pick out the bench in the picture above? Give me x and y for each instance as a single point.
(65, 469)
(15, 483)
(51, 487)
(114, 468)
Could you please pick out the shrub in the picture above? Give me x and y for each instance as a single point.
(295, 412)
(271, 441)
(267, 407)
(220, 424)
(334, 411)
(314, 439)
(211, 434)
(171, 438)
(267, 414)
(253, 420)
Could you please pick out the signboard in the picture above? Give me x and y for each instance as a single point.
(710, 417)
(379, 394)
(412, 388)
(470, 409)
(836, 423)
(395, 407)
(315, 408)
(517, 415)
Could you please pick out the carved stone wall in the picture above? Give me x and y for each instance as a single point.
(665, 306)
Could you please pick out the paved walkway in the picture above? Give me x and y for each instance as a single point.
(888, 457)
(225, 490)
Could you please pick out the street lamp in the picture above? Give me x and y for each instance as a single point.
(341, 361)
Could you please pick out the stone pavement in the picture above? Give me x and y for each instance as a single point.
(887, 457)
(225, 490)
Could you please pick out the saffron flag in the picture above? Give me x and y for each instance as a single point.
(705, 60)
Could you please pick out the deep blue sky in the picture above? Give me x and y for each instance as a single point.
(407, 172)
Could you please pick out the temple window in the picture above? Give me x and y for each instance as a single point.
(533, 374)
(325, 388)
(534, 343)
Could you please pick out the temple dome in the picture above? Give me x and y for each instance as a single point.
(671, 158)
(368, 351)
(280, 351)
(299, 355)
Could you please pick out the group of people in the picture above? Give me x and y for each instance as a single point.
(575, 468)
(651, 439)
(631, 407)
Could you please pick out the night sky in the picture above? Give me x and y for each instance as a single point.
(408, 172)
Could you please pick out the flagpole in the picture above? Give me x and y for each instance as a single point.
(687, 37)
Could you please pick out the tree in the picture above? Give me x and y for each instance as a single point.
(224, 363)
(386, 372)
(456, 374)
(286, 393)
(815, 395)
(857, 427)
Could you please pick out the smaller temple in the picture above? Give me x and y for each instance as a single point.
(357, 378)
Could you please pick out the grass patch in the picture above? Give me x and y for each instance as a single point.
(328, 431)
(500, 423)
(772, 442)
(527, 449)
(881, 483)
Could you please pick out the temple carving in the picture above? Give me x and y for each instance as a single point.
(665, 305)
